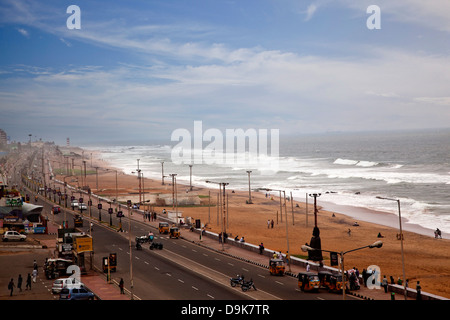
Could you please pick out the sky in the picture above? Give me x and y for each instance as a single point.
(137, 70)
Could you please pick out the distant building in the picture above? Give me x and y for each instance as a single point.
(3, 137)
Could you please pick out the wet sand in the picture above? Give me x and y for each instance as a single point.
(426, 259)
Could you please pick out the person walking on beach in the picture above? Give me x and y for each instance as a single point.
(271, 224)
(34, 275)
(268, 223)
(28, 282)
(19, 283)
(11, 287)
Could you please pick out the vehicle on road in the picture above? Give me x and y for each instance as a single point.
(276, 267)
(247, 285)
(74, 204)
(56, 209)
(163, 227)
(78, 220)
(156, 245)
(61, 283)
(330, 281)
(76, 294)
(308, 281)
(237, 281)
(174, 232)
(54, 268)
(13, 235)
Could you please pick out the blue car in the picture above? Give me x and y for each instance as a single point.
(76, 294)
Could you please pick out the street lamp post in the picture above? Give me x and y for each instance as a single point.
(223, 184)
(249, 189)
(401, 241)
(190, 177)
(376, 244)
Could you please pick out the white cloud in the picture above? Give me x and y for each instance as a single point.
(23, 32)
(310, 11)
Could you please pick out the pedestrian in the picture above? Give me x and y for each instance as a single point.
(28, 285)
(261, 248)
(268, 223)
(288, 258)
(121, 286)
(19, 283)
(11, 287)
(365, 276)
(271, 223)
(308, 267)
(392, 280)
(34, 275)
(419, 291)
(384, 283)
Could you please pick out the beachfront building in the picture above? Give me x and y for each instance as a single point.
(3, 138)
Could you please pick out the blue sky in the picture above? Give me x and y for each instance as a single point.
(138, 70)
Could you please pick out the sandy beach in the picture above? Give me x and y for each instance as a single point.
(426, 259)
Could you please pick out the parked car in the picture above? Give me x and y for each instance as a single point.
(61, 283)
(13, 235)
(76, 294)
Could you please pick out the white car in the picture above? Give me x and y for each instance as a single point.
(69, 283)
(13, 235)
(74, 204)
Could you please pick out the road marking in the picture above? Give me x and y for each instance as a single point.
(231, 264)
(194, 250)
(137, 257)
(157, 268)
(320, 298)
(205, 254)
(181, 280)
(245, 269)
(279, 282)
(210, 296)
(260, 275)
(146, 262)
(194, 288)
(217, 259)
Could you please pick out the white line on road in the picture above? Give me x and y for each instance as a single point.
(194, 288)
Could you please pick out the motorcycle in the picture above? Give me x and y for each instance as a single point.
(138, 246)
(247, 285)
(156, 245)
(236, 281)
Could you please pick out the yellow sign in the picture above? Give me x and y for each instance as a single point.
(83, 244)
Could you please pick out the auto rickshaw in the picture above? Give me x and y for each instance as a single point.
(308, 281)
(56, 209)
(276, 267)
(78, 220)
(336, 283)
(174, 232)
(330, 281)
(163, 227)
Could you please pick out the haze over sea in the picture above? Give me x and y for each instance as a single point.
(349, 169)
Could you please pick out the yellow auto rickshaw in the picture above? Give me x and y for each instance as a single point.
(78, 220)
(336, 283)
(174, 232)
(163, 227)
(276, 267)
(308, 281)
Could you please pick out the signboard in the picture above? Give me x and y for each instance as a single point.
(83, 244)
(14, 202)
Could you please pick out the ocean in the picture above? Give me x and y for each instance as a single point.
(348, 169)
